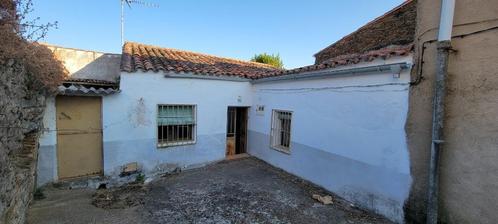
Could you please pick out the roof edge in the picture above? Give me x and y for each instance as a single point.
(76, 49)
(367, 24)
(207, 77)
(348, 59)
(202, 54)
(331, 72)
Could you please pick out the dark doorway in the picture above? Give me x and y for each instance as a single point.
(236, 130)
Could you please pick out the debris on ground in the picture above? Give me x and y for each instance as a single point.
(237, 191)
(129, 169)
(217, 193)
(126, 196)
(326, 200)
(175, 171)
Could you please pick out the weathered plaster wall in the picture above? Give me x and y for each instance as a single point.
(47, 154)
(130, 120)
(349, 140)
(83, 64)
(80, 64)
(468, 179)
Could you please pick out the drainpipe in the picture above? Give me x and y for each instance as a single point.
(443, 49)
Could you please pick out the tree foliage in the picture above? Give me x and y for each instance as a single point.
(18, 36)
(269, 59)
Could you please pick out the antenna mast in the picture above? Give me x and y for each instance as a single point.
(122, 22)
(129, 2)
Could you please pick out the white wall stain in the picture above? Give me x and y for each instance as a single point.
(139, 115)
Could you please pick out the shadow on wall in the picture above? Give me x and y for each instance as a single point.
(83, 64)
(104, 67)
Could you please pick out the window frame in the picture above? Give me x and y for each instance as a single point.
(172, 144)
(275, 145)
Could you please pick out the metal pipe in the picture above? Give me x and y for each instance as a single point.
(446, 20)
(443, 49)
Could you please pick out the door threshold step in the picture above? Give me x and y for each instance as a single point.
(238, 156)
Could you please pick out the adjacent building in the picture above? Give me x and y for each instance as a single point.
(468, 190)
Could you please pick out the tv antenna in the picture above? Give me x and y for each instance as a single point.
(129, 3)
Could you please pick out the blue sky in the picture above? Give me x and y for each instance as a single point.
(295, 29)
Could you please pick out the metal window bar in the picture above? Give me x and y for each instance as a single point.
(176, 125)
(281, 130)
(285, 131)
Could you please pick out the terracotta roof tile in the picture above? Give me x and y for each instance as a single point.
(396, 27)
(178, 61)
(387, 36)
(143, 57)
(349, 59)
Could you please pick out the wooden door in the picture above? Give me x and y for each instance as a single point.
(79, 136)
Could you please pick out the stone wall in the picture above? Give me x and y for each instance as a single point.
(21, 112)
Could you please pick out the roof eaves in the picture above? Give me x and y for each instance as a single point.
(331, 72)
(349, 59)
(188, 75)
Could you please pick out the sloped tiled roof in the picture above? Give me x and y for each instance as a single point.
(389, 35)
(349, 59)
(143, 57)
(91, 81)
(396, 27)
(83, 89)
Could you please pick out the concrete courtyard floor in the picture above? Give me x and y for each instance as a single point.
(236, 191)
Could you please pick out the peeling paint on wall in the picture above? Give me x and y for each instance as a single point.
(139, 115)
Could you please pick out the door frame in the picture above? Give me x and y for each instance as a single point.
(101, 139)
(246, 109)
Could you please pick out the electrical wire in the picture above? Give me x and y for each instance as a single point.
(419, 76)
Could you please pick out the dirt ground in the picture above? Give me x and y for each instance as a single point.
(238, 191)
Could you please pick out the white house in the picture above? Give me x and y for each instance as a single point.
(338, 123)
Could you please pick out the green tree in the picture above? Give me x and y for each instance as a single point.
(269, 59)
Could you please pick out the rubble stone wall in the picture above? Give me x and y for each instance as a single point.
(21, 112)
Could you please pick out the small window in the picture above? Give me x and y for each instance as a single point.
(175, 125)
(281, 130)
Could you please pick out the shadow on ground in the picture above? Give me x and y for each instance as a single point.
(238, 191)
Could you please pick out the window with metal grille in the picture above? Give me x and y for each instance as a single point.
(176, 125)
(281, 130)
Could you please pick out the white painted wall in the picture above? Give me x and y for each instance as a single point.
(49, 136)
(129, 123)
(130, 120)
(47, 154)
(347, 135)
